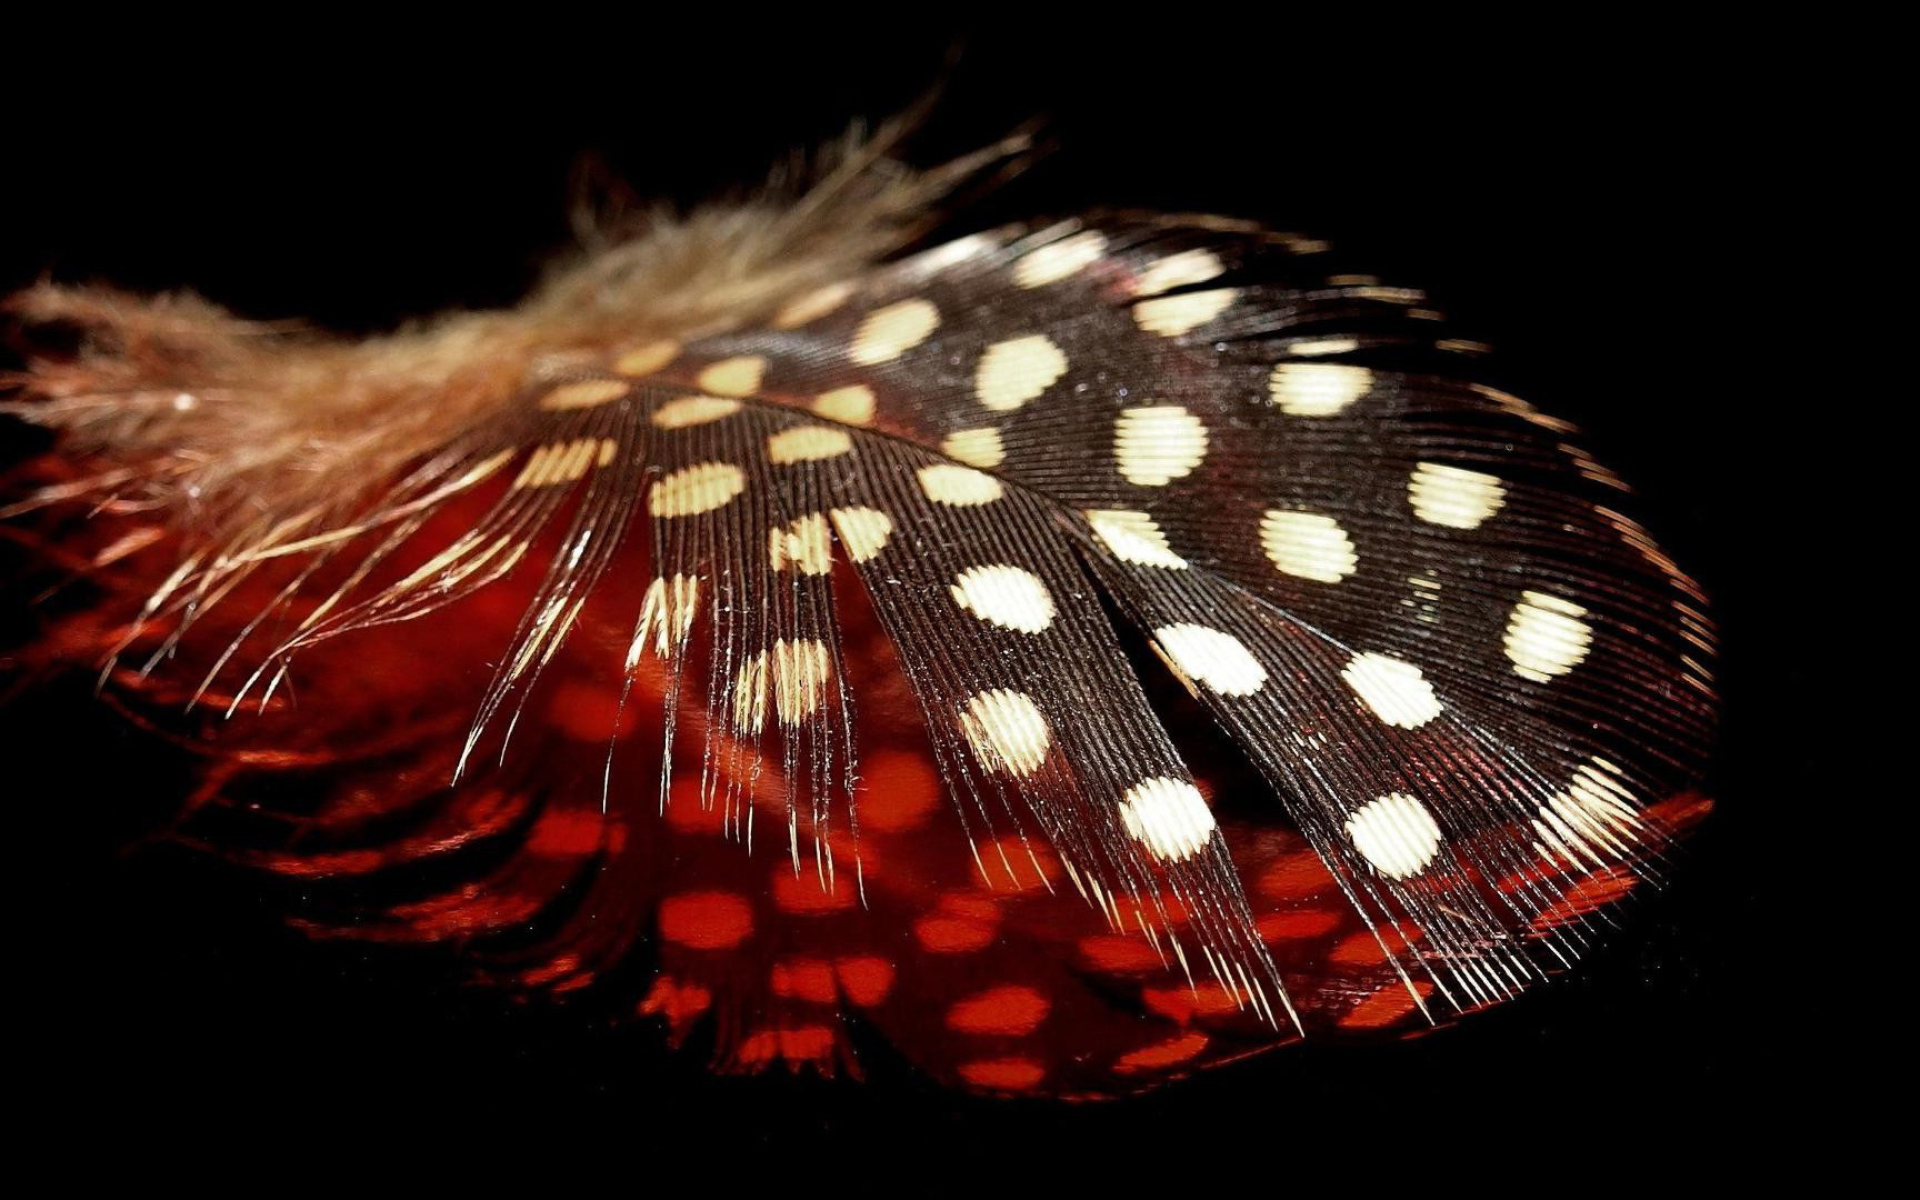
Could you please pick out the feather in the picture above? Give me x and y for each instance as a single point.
(1030, 477)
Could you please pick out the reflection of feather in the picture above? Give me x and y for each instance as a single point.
(1467, 680)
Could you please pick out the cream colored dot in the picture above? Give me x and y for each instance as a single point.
(803, 544)
(562, 462)
(863, 531)
(1396, 691)
(585, 453)
(733, 376)
(945, 483)
(1006, 730)
(950, 255)
(1134, 537)
(666, 617)
(1308, 545)
(808, 443)
(1168, 816)
(800, 673)
(580, 458)
(1178, 270)
(1599, 787)
(750, 695)
(1015, 371)
(1057, 260)
(1321, 347)
(1317, 389)
(1453, 496)
(794, 676)
(694, 410)
(1546, 637)
(848, 405)
(559, 462)
(889, 332)
(813, 305)
(587, 393)
(1388, 295)
(975, 447)
(645, 360)
(1176, 316)
(1396, 834)
(1157, 445)
(1007, 596)
(534, 470)
(1595, 817)
(1210, 656)
(696, 489)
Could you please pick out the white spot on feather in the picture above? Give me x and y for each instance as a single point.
(1007, 596)
(563, 462)
(587, 393)
(696, 489)
(1134, 537)
(1215, 658)
(813, 305)
(1058, 260)
(1175, 316)
(1317, 389)
(863, 531)
(733, 376)
(949, 255)
(1320, 347)
(1006, 730)
(804, 544)
(800, 673)
(848, 405)
(794, 676)
(1546, 637)
(645, 360)
(808, 443)
(976, 447)
(1156, 445)
(945, 483)
(1596, 816)
(1396, 691)
(1168, 816)
(1396, 834)
(1309, 545)
(694, 410)
(1015, 371)
(889, 332)
(1178, 270)
(1453, 496)
(535, 468)
(666, 616)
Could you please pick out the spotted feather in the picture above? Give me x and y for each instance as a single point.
(1018, 527)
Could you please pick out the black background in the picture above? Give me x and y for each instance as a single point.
(1589, 200)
